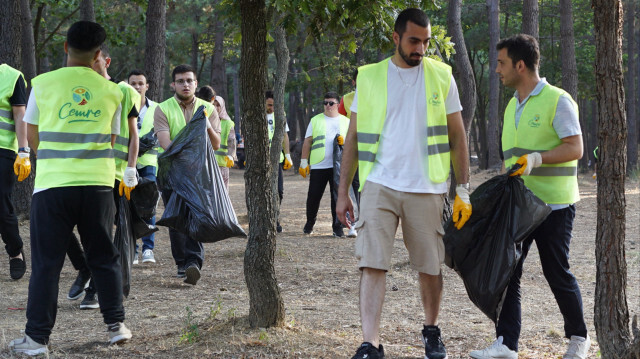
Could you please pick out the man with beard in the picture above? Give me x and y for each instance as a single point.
(169, 118)
(411, 100)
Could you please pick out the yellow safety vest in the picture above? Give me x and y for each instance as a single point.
(372, 110)
(221, 153)
(130, 97)
(272, 130)
(347, 100)
(8, 78)
(319, 135)
(552, 183)
(171, 108)
(150, 158)
(76, 107)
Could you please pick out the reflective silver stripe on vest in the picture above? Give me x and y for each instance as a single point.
(518, 152)
(6, 114)
(124, 141)
(220, 153)
(554, 171)
(74, 137)
(7, 126)
(366, 156)
(223, 147)
(437, 130)
(368, 137)
(121, 155)
(318, 145)
(81, 154)
(438, 148)
(152, 152)
(318, 138)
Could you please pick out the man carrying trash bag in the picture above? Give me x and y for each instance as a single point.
(542, 134)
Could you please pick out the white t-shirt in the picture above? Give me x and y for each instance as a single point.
(271, 123)
(402, 152)
(333, 128)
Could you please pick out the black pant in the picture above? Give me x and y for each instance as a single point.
(54, 213)
(8, 220)
(553, 238)
(317, 183)
(185, 250)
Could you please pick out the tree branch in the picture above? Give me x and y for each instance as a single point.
(56, 29)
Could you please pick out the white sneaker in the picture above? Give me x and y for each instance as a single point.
(147, 256)
(135, 258)
(118, 333)
(494, 351)
(28, 346)
(352, 233)
(578, 347)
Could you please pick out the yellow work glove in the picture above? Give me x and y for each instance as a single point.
(230, 161)
(129, 182)
(22, 166)
(528, 162)
(340, 140)
(287, 162)
(461, 206)
(304, 168)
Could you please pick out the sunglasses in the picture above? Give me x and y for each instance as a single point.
(329, 103)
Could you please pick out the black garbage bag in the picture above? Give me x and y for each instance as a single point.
(148, 142)
(143, 206)
(124, 242)
(486, 250)
(199, 205)
(337, 159)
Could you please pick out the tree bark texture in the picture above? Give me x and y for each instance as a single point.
(611, 312)
(567, 50)
(87, 12)
(530, 15)
(631, 91)
(154, 52)
(10, 33)
(493, 137)
(218, 68)
(237, 118)
(266, 307)
(282, 67)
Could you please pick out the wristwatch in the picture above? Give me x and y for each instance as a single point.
(24, 149)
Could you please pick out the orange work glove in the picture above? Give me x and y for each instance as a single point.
(129, 182)
(304, 168)
(230, 161)
(528, 162)
(287, 162)
(461, 206)
(340, 140)
(22, 166)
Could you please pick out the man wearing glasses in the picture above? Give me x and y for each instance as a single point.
(169, 118)
(317, 152)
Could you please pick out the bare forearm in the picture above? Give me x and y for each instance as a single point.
(306, 148)
(285, 143)
(20, 125)
(133, 143)
(460, 158)
(33, 137)
(214, 137)
(349, 164)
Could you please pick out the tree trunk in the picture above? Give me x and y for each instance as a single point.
(266, 307)
(154, 52)
(530, 16)
(218, 68)
(632, 139)
(86, 11)
(611, 312)
(10, 33)
(194, 50)
(567, 50)
(237, 118)
(493, 138)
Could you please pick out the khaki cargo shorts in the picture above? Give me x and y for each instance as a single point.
(421, 216)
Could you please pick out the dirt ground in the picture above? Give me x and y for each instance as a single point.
(319, 283)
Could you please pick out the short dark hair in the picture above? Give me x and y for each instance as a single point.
(86, 36)
(136, 72)
(268, 94)
(416, 16)
(181, 69)
(522, 47)
(206, 93)
(355, 75)
(332, 94)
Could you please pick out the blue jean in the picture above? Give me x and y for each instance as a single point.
(553, 238)
(148, 242)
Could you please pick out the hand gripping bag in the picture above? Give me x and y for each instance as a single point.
(143, 206)
(199, 205)
(486, 250)
(337, 160)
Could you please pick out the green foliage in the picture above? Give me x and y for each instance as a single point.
(190, 332)
(216, 308)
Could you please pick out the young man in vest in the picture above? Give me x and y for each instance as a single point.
(542, 133)
(405, 129)
(73, 118)
(14, 158)
(147, 164)
(169, 118)
(317, 151)
(285, 155)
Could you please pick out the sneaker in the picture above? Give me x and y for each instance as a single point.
(192, 274)
(118, 333)
(352, 233)
(368, 351)
(90, 301)
(181, 273)
(433, 346)
(338, 233)
(495, 350)
(578, 347)
(78, 286)
(17, 267)
(28, 346)
(307, 229)
(135, 259)
(147, 256)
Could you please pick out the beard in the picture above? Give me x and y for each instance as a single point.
(407, 58)
(184, 98)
